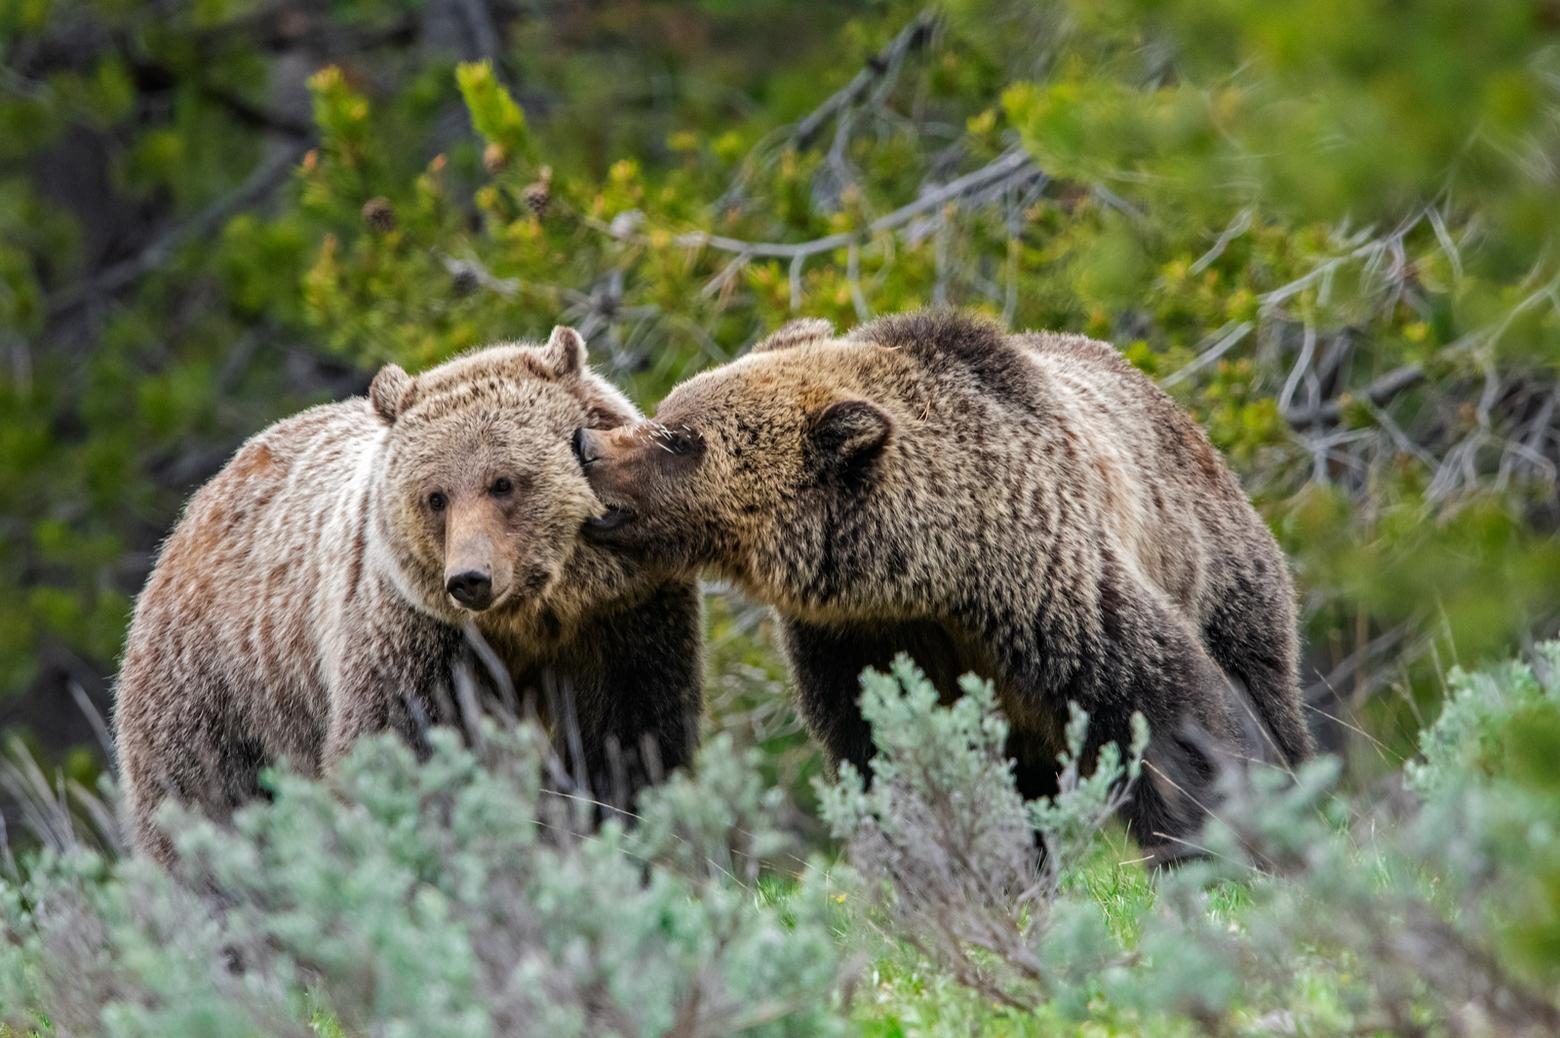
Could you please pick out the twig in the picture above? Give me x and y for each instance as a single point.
(498, 673)
(1230, 334)
(94, 718)
(255, 187)
(477, 274)
(882, 66)
(1013, 165)
(853, 277)
(483, 35)
(1301, 368)
(1376, 393)
(1237, 227)
(255, 116)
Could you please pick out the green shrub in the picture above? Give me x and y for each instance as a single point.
(457, 897)
(1310, 912)
(451, 897)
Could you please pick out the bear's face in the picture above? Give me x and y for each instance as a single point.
(749, 455)
(480, 497)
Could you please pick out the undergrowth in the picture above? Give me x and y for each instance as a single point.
(458, 897)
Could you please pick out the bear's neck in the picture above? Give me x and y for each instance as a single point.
(893, 547)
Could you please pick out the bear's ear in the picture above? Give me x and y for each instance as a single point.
(390, 392)
(850, 432)
(796, 333)
(564, 354)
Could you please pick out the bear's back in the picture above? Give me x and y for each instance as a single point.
(285, 500)
(1128, 408)
(1069, 426)
(229, 622)
(1169, 492)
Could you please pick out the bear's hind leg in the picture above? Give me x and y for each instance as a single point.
(1141, 657)
(209, 761)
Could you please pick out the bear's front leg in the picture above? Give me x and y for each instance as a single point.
(826, 664)
(384, 676)
(633, 692)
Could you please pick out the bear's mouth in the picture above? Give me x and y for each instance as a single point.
(614, 518)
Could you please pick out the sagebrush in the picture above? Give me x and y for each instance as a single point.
(456, 896)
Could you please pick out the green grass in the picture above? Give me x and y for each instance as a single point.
(901, 995)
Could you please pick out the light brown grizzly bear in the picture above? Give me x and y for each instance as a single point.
(316, 589)
(1028, 507)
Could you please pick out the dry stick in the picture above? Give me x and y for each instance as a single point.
(1376, 393)
(94, 718)
(1362, 657)
(512, 704)
(1014, 164)
(1228, 336)
(25, 782)
(255, 187)
(1301, 368)
(256, 116)
(7, 856)
(483, 34)
(465, 688)
(1398, 437)
(883, 65)
(1406, 377)
(882, 68)
(476, 273)
(103, 815)
(1237, 227)
(853, 278)
(502, 682)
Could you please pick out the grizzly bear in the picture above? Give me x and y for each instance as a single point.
(1028, 507)
(318, 586)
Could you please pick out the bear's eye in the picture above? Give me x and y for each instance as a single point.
(501, 487)
(437, 501)
(674, 441)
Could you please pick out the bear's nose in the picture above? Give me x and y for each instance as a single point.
(472, 589)
(585, 447)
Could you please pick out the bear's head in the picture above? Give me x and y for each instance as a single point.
(743, 463)
(479, 498)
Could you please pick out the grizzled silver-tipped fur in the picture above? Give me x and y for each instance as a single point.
(316, 587)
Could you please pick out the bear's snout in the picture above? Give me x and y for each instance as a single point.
(472, 589)
(585, 447)
(601, 456)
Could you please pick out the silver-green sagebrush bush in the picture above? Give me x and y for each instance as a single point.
(451, 897)
(1309, 912)
(456, 897)
(948, 847)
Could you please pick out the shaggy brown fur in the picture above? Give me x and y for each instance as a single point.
(315, 588)
(1029, 507)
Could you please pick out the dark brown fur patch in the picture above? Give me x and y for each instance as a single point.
(948, 341)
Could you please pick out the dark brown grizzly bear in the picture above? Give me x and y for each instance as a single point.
(316, 589)
(1028, 507)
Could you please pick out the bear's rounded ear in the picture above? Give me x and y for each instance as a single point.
(390, 392)
(851, 431)
(796, 333)
(564, 354)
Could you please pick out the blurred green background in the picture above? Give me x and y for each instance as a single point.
(1330, 229)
